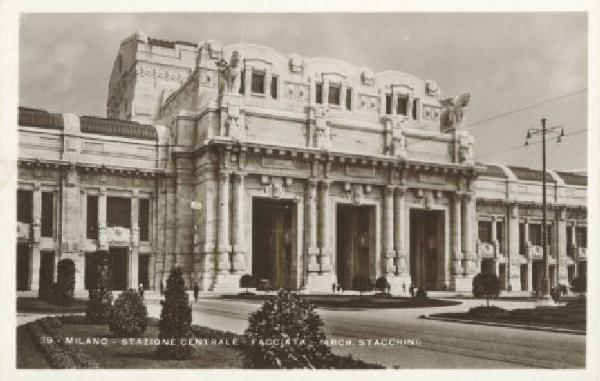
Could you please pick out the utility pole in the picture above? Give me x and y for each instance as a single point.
(543, 131)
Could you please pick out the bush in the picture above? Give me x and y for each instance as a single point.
(361, 284)
(100, 295)
(382, 284)
(487, 311)
(65, 283)
(486, 285)
(128, 316)
(421, 293)
(175, 319)
(246, 281)
(285, 333)
(579, 284)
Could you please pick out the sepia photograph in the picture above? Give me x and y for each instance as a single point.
(361, 190)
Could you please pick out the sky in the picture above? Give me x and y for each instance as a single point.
(518, 67)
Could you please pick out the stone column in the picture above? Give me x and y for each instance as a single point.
(247, 80)
(267, 84)
(324, 258)
(223, 246)
(34, 258)
(325, 92)
(311, 228)
(394, 102)
(135, 241)
(387, 237)
(513, 257)
(343, 96)
(102, 233)
(238, 224)
(457, 254)
(402, 265)
(561, 250)
(526, 254)
(468, 220)
(409, 106)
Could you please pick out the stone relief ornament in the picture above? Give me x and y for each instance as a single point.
(432, 88)
(453, 112)
(465, 144)
(230, 74)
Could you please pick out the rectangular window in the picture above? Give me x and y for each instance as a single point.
(144, 219)
(388, 104)
(348, 99)
(569, 240)
(24, 206)
(402, 106)
(242, 81)
(274, 87)
(47, 214)
(258, 83)
(415, 107)
(485, 231)
(535, 234)
(319, 93)
(118, 212)
(334, 95)
(92, 217)
(581, 236)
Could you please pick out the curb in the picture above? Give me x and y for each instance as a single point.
(508, 325)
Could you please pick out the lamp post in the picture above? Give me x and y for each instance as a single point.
(559, 131)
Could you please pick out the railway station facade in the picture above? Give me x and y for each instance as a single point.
(238, 159)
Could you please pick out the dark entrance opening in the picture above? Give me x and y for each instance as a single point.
(22, 266)
(46, 270)
(119, 267)
(355, 244)
(273, 242)
(143, 265)
(537, 274)
(427, 267)
(570, 274)
(502, 275)
(524, 279)
(91, 270)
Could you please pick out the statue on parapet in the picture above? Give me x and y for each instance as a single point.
(230, 74)
(453, 111)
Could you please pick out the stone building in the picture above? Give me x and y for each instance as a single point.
(233, 160)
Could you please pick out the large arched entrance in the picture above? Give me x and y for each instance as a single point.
(427, 248)
(273, 242)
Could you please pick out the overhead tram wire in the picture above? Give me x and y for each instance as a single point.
(521, 146)
(502, 115)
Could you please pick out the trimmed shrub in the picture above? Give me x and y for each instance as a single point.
(579, 284)
(382, 284)
(246, 281)
(175, 319)
(285, 333)
(485, 311)
(361, 284)
(128, 316)
(65, 282)
(486, 285)
(100, 295)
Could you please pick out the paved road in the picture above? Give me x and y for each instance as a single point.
(440, 344)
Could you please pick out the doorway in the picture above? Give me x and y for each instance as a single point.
(355, 246)
(118, 259)
(23, 266)
(46, 270)
(537, 274)
(143, 265)
(273, 242)
(427, 247)
(524, 280)
(91, 270)
(502, 275)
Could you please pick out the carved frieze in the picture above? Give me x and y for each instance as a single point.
(297, 92)
(368, 102)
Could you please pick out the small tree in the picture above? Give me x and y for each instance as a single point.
(65, 282)
(100, 294)
(175, 319)
(286, 333)
(246, 281)
(361, 284)
(128, 316)
(382, 284)
(486, 285)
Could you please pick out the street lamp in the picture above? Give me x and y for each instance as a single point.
(559, 131)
